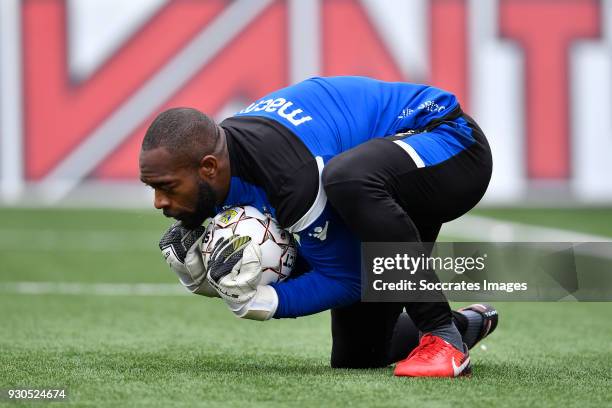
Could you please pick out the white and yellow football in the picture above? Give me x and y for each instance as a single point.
(278, 251)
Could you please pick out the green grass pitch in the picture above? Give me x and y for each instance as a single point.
(119, 350)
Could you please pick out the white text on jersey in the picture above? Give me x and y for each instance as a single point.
(271, 105)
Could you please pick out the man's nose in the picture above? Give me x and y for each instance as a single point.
(160, 201)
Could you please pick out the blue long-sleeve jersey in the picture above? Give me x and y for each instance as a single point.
(279, 144)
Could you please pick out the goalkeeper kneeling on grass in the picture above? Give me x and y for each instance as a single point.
(336, 161)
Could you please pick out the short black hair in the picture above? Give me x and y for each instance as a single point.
(184, 132)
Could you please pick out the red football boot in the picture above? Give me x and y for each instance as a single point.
(434, 357)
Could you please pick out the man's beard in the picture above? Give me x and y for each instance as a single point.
(204, 207)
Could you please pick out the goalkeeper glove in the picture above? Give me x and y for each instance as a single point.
(181, 249)
(234, 269)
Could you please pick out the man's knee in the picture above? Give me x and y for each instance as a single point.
(344, 182)
(337, 171)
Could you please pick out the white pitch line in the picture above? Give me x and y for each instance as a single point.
(488, 229)
(92, 289)
(484, 229)
(476, 228)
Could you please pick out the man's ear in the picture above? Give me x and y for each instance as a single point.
(209, 165)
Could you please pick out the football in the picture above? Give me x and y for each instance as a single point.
(278, 249)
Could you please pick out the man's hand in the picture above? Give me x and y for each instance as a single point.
(181, 249)
(234, 268)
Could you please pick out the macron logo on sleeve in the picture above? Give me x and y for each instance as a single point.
(279, 106)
